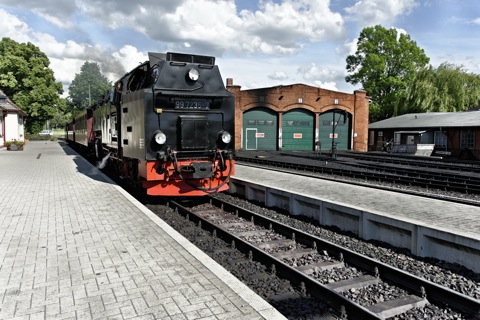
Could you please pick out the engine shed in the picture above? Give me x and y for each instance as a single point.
(455, 134)
(299, 117)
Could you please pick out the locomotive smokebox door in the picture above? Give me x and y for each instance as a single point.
(193, 132)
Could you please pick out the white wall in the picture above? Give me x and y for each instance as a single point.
(1, 128)
(14, 127)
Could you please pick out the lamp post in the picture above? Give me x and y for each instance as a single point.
(333, 151)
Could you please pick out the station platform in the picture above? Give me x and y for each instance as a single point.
(427, 227)
(74, 245)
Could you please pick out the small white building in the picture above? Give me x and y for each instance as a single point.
(11, 121)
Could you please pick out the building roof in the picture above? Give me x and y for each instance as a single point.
(430, 120)
(7, 105)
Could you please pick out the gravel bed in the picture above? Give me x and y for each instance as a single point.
(278, 292)
(327, 277)
(376, 293)
(307, 260)
(446, 274)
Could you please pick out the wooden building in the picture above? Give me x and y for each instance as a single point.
(455, 134)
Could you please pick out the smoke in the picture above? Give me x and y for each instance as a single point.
(103, 163)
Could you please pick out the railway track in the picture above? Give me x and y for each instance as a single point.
(451, 172)
(445, 181)
(434, 185)
(306, 261)
(428, 163)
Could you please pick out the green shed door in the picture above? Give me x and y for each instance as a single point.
(260, 129)
(298, 130)
(326, 130)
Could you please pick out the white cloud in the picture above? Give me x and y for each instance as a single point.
(67, 58)
(314, 72)
(65, 70)
(348, 48)
(52, 48)
(326, 85)
(373, 12)
(210, 27)
(325, 77)
(278, 75)
(12, 27)
(54, 11)
(217, 26)
(293, 19)
(259, 43)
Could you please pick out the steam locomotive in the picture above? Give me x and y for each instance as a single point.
(167, 125)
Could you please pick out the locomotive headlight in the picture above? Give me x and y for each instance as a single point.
(160, 137)
(226, 137)
(193, 74)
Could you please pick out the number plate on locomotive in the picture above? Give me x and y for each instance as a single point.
(192, 104)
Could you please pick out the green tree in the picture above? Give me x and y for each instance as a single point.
(88, 86)
(26, 78)
(448, 88)
(385, 64)
(60, 118)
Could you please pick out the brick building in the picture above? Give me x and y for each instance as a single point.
(299, 117)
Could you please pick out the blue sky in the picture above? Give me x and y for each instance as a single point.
(258, 43)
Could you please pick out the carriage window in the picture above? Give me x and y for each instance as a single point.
(261, 122)
(251, 122)
(269, 122)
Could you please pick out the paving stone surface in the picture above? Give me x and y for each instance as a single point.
(73, 245)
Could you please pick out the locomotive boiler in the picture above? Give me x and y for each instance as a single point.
(168, 124)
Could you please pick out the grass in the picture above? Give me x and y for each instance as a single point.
(58, 132)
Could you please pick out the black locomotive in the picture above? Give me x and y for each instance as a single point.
(167, 124)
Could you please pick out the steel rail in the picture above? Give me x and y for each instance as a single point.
(412, 283)
(395, 160)
(374, 186)
(331, 297)
(418, 162)
(370, 176)
(403, 279)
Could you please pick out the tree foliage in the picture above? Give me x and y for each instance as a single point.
(448, 88)
(88, 86)
(385, 64)
(60, 118)
(25, 77)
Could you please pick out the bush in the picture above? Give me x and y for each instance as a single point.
(15, 142)
(37, 137)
